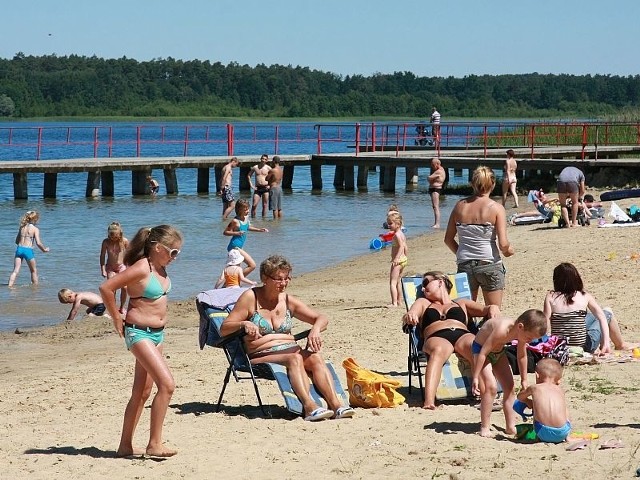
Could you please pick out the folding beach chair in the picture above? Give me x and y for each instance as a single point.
(213, 307)
(455, 381)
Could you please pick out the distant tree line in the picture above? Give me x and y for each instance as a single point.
(48, 86)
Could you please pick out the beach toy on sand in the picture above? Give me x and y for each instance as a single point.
(583, 436)
(519, 408)
(525, 431)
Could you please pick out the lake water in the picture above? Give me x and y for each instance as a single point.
(318, 230)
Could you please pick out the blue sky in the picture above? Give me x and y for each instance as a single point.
(445, 38)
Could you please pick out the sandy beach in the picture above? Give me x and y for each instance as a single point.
(65, 387)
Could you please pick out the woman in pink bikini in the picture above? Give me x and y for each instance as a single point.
(112, 257)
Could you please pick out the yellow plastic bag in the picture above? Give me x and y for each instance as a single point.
(369, 389)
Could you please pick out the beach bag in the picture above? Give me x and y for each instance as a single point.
(370, 389)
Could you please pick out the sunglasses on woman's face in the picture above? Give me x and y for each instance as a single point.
(426, 281)
(173, 252)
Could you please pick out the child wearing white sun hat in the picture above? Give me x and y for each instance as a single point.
(232, 275)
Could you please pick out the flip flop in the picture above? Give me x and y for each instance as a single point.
(612, 443)
(579, 445)
(319, 414)
(344, 412)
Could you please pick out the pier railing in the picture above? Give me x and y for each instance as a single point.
(226, 139)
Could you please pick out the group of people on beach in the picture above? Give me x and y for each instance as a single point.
(134, 294)
(476, 233)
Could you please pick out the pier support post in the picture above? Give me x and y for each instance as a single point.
(243, 185)
(107, 184)
(389, 179)
(349, 177)
(412, 175)
(170, 181)
(203, 179)
(20, 188)
(338, 177)
(50, 185)
(363, 176)
(93, 184)
(287, 176)
(139, 184)
(381, 176)
(316, 177)
(217, 173)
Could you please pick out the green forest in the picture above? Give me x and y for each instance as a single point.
(79, 86)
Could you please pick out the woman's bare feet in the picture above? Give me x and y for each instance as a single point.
(130, 452)
(485, 432)
(392, 305)
(160, 451)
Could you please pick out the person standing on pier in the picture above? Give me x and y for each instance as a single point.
(509, 180)
(274, 179)
(261, 187)
(226, 192)
(436, 184)
(435, 127)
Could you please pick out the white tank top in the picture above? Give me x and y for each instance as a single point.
(477, 242)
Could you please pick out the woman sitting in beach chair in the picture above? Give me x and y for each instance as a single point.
(266, 314)
(444, 326)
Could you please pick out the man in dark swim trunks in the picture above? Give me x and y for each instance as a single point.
(226, 192)
(261, 187)
(436, 183)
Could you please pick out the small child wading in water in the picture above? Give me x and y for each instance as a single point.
(28, 235)
(237, 229)
(112, 257)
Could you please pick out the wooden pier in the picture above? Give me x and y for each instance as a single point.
(100, 170)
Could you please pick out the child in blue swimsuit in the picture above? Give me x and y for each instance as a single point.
(28, 235)
(237, 230)
(546, 399)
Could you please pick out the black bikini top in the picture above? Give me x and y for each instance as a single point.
(432, 315)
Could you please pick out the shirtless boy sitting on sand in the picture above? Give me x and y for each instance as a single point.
(546, 399)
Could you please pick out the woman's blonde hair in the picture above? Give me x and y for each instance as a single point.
(140, 245)
(30, 217)
(483, 180)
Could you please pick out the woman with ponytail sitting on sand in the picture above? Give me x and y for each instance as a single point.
(443, 323)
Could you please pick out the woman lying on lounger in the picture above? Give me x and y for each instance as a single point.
(444, 325)
(266, 315)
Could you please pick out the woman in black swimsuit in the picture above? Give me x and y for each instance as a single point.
(444, 326)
